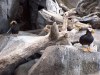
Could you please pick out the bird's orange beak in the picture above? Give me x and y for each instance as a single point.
(92, 31)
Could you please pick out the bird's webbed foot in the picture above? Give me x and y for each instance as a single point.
(85, 49)
(89, 49)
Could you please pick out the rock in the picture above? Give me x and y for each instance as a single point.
(24, 68)
(93, 20)
(3, 41)
(7, 10)
(85, 7)
(71, 3)
(3, 16)
(13, 6)
(66, 60)
(24, 44)
(41, 22)
(34, 7)
(97, 39)
(52, 6)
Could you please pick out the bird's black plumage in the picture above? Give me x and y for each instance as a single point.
(87, 38)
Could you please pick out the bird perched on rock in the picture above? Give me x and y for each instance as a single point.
(14, 28)
(86, 39)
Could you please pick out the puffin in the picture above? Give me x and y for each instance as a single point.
(14, 28)
(86, 39)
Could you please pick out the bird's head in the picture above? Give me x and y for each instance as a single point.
(90, 30)
(13, 23)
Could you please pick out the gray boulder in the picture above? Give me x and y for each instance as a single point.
(24, 68)
(67, 60)
(70, 3)
(3, 16)
(85, 7)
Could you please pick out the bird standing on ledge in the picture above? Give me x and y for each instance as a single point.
(86, 39)
(14, 28)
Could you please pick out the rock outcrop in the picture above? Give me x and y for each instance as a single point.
(66, 60)
(85, 7)
(24, 68)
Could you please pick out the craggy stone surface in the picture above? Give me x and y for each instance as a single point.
(25, 12)
(70, 3)
(23, 69)
(58, 60)
(85, 7)
(67, 60)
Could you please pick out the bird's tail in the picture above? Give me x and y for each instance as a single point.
(74, 42)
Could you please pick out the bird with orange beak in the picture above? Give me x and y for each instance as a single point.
(86, 39)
